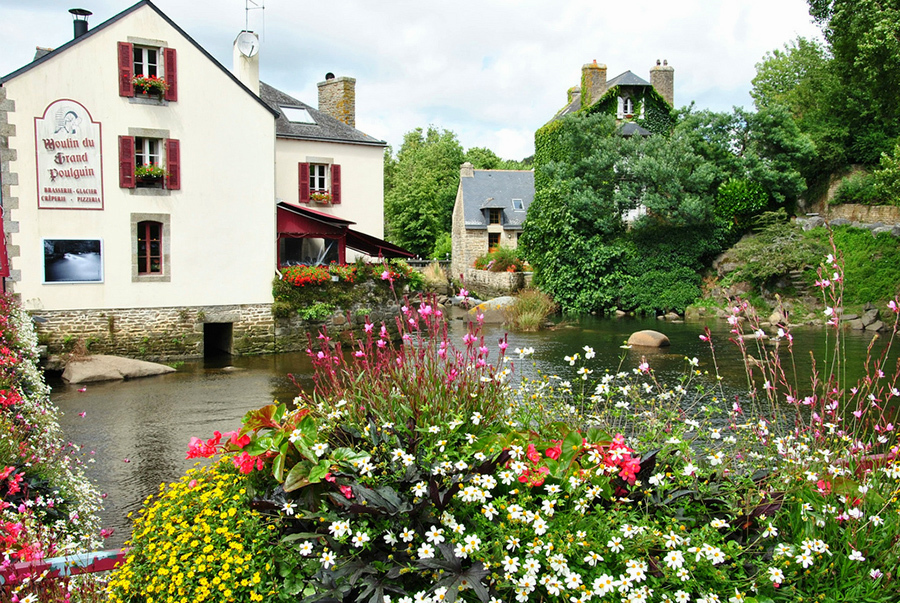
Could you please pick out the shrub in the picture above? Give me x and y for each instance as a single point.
(500, 259)
(316, 312)
(434, 276)
(443, 247)
(859, 187)
(530, 310)
(738, 199)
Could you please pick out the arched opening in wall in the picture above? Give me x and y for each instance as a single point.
(217, 339)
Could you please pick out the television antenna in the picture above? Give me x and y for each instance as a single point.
(261, 5)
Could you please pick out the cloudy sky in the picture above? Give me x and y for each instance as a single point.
(492, 71)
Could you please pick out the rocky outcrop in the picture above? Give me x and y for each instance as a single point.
(111, 368)
(493, 310)
(648, 338)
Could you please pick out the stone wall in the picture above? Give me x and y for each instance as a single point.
(869, 214)
(492, 284)
(166, 333)
(8, 179)
(337, 98)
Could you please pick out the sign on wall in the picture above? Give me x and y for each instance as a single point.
(73, 261)
(69, 166)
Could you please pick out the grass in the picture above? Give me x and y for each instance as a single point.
(530, 310)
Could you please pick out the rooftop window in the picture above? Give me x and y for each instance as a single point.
(297, 115)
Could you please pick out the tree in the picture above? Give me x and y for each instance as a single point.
(421, 190)
(482, 158)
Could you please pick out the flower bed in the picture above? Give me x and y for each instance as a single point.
(47, 506)
(416, 472)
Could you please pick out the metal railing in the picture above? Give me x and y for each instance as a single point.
(60, 567)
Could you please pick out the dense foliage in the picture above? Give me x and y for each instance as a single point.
(842, 93)
(687, 195)
(47, 506)
(415, 471)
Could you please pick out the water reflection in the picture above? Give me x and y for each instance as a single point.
(136, 432)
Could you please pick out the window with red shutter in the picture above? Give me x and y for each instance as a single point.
(303, 178)
(335, 184)
(173, 164)
(171, 77)
(126, 69)
(126, 161)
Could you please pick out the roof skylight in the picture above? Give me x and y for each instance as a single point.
(297, 115)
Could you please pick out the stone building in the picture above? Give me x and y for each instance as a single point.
(489, 212)
(143, 185)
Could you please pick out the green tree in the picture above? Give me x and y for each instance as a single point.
(421, 188)
(482, 158)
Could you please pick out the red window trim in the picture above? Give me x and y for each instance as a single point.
(335, 184)
(126, 69)
(303, 182)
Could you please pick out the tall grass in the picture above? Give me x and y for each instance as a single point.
(530, 310)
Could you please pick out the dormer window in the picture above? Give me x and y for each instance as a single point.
(626, 107)
(495, 216)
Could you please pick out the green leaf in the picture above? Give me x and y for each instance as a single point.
(348, 455)
(318, 473)
(571, 447)
(278, 468)
(298, 476)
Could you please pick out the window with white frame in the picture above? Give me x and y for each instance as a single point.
(318, 178)
(146, 61)
(147, 151)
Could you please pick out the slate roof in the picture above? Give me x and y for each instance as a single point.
(496, 189)
(629, 128)
(326, 128)
(626, 79)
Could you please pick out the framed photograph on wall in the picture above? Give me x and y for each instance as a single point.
(73, 261)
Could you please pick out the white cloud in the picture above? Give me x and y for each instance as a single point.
(493, 71)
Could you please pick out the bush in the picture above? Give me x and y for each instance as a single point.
(859, 187)
(443, 247)
(530, 310)
(501, 259)
(738, 199)
(316, 312)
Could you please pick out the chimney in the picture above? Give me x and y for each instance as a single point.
(593, 82)
(337, 98)
(574, 92)
(662, 78)
(79, 16)
(244, 67)
(467, 170)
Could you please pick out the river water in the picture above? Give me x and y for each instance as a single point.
(135, 434)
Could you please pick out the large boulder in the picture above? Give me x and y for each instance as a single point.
(493, 309)
(648, 338)
(111, 368)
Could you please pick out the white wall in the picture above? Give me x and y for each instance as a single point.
(362, 179)
(222, 219)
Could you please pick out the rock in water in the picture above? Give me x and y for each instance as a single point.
(111, 368)
(648, 338)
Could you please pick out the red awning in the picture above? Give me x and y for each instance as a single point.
(297, 221)
(375, 247)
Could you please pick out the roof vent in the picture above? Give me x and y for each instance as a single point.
(80, 23)
(329, 76)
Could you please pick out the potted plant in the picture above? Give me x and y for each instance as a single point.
(322, 198)
(150, 174)
(149, 85)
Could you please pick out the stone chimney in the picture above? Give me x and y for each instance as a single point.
(337, 98)
(245, 68)
(593, 82)
(574, 92)
(662, 78)
(467, 170)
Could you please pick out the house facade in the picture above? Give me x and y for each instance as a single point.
(640, 106)
(490, 209)
(140, 191)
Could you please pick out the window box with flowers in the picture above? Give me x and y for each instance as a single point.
(150, 86)
(150, 175)
(320, 197)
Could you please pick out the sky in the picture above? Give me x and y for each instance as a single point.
(492, 71)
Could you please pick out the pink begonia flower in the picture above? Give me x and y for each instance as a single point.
(347, 491)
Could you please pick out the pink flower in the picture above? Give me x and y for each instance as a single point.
(704, 338)
(468, 339)
(893, 306)
(347, 491)
(644, 367)
(369, 327)
(359, 354)
(463, 293)
(386, 275)
(503, 345)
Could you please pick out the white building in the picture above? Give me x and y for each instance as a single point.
(101, 249)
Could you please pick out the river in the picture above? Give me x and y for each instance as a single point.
(135, 433)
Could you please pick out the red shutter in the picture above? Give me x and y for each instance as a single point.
(335, 184)
(171, 70)
(173, 164)
(304, 182)
(126, 161)
(126, 69)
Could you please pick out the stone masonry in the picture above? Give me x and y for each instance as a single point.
(337, 98)
(8, 179)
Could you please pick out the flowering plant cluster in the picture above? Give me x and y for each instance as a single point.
(300, 276)
(320, 197)
(414, 471)
(198, 541)
(150, 83)
(47, 507)
(150, 170)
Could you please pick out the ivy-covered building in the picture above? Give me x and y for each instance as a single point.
(630, 98)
